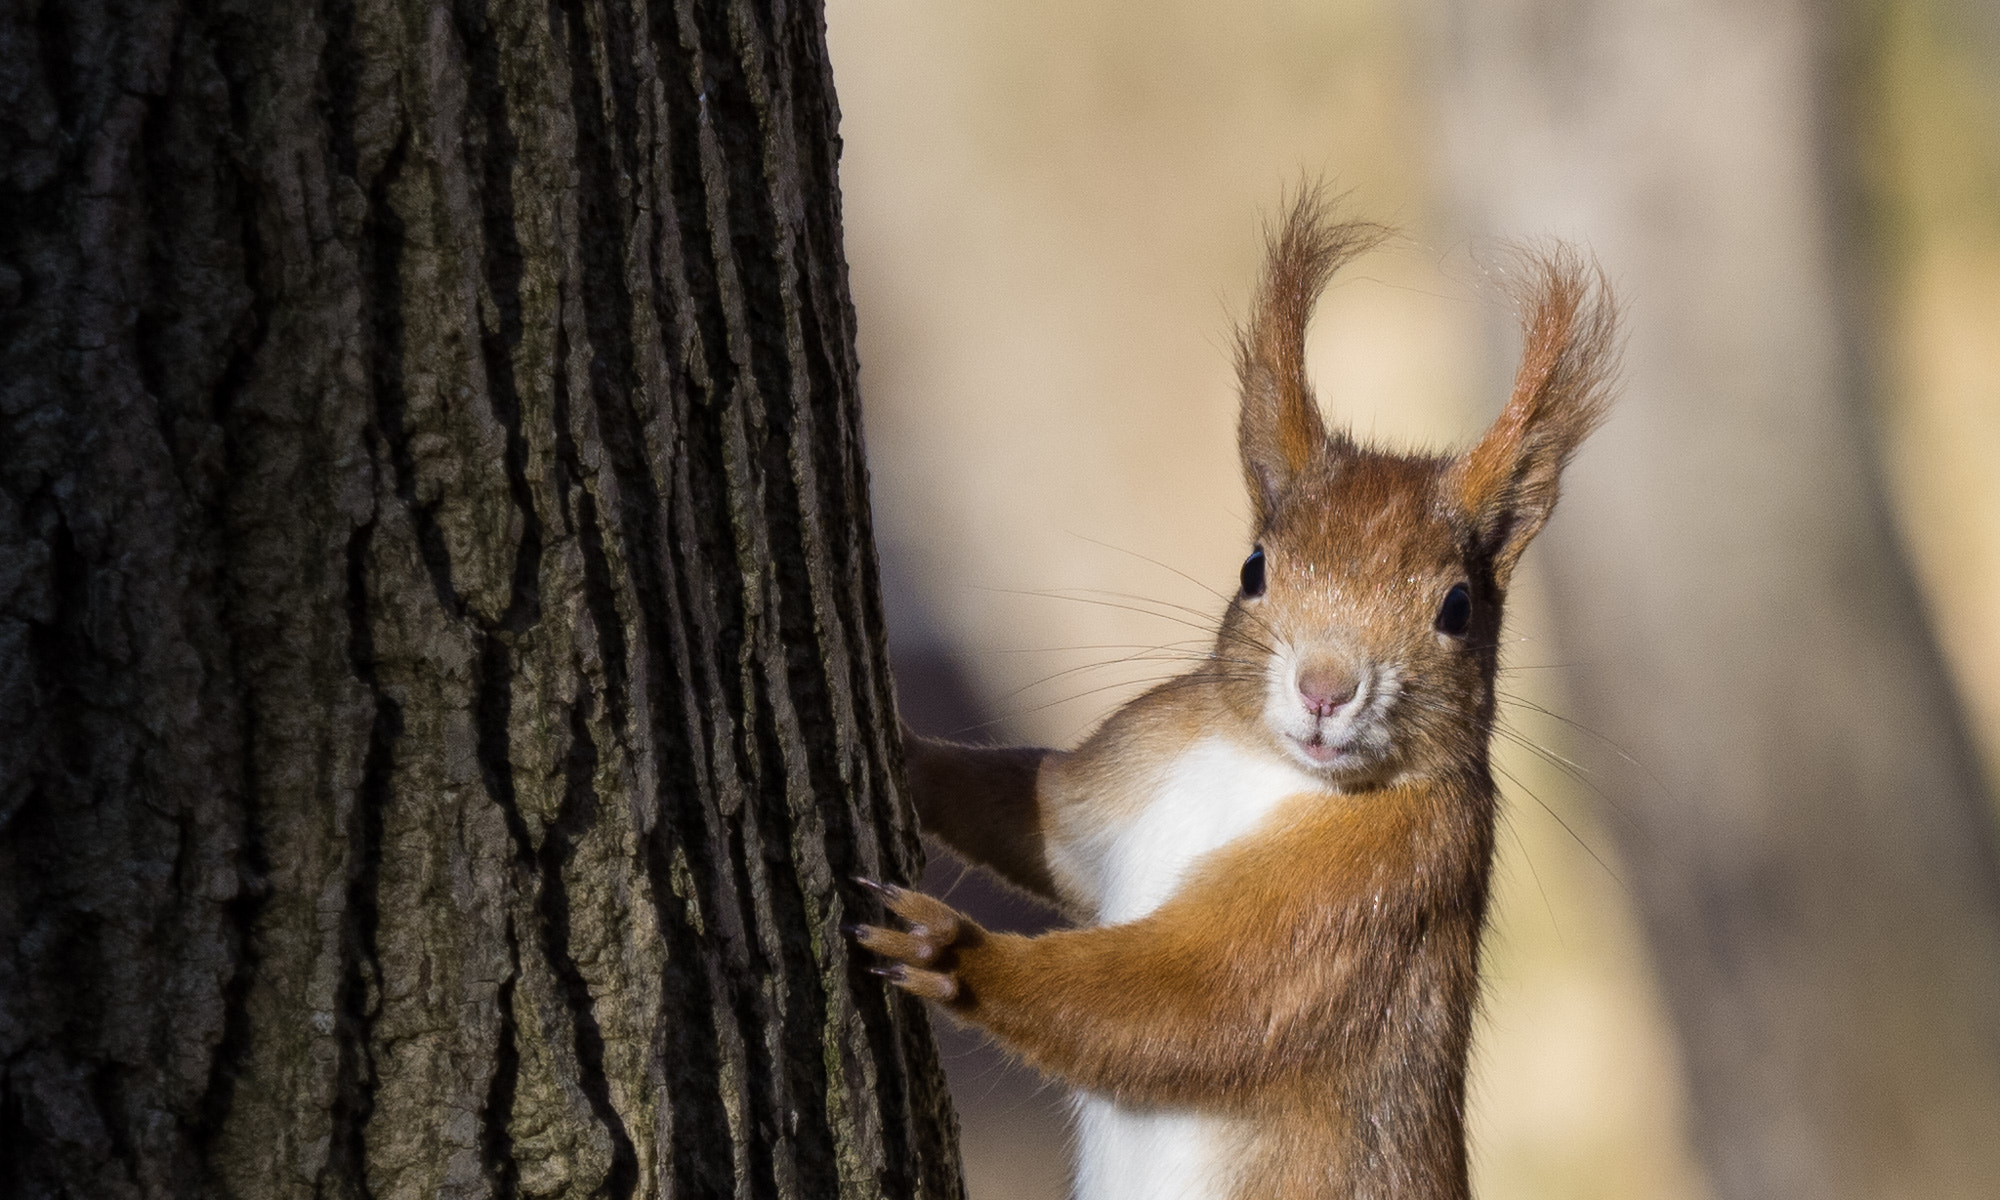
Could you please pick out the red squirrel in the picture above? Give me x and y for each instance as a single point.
(1279, 861)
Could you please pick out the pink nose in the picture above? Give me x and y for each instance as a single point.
(1325, 688)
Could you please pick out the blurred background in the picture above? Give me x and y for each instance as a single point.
(1747, 929)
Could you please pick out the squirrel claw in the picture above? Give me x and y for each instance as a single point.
(931, 985)
(887, 891)
(912, 946)
(925, 956)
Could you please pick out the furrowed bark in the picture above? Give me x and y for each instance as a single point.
(442, 687)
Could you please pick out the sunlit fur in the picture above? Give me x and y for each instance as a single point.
(1280, 900)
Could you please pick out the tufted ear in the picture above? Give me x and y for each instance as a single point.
(1279, 429)
(1507, 484)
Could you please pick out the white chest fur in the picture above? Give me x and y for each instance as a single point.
(1212, 794)
(1127, 1154)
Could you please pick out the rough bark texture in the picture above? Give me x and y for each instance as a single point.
(442, 691)
(1808, 837)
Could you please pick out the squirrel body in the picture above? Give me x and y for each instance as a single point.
(1126, 860)
(1279, 861)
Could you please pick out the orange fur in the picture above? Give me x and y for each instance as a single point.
(1281, 897)
(1561, 391)
(1279, 426)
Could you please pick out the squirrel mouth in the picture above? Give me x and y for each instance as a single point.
(1318, 751)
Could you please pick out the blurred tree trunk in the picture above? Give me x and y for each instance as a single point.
(442, 688)
(1809, 839)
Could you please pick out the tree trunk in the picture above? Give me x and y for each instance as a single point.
(442, 688)
(1808, 838)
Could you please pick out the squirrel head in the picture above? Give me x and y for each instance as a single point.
(1363, 642)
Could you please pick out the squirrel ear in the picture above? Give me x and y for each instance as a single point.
(1279, 430)
(1507, 483)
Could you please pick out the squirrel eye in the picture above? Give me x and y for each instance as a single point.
(1455, 614)
(1253, 573)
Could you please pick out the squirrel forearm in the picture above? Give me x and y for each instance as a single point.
(1157, 1011)
(983, 802)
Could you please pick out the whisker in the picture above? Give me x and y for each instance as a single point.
(1196, 659)
(1188, 679)
(1574, 771)
(1536, 875)
(1098, 646)
(1222, 596)
(1557, 817)
(964, 869)
(1603, 740)
(1156, 562)
(1190, 610)
(1074, 599)
(1202, 614)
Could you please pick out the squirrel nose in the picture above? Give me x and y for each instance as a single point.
(1325, 687)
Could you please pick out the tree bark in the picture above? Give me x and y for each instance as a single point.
(1809, 838)
(442, 680)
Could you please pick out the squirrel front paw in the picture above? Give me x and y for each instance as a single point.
(923, 959)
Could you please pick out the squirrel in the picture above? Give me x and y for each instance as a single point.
(1279, 861)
